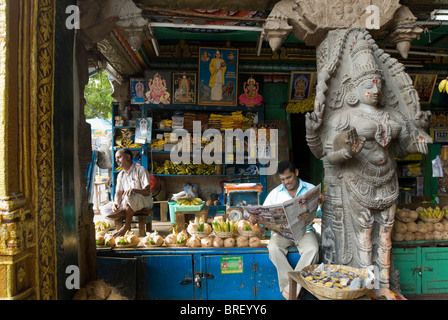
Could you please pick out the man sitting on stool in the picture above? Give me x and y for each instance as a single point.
(133, 190)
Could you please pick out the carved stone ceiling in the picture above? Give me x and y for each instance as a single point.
(237, 23)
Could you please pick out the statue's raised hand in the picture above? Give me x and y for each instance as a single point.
(313, 120)
(419, 141)
(422, 119)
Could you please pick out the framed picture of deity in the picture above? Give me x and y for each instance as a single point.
(158, 87)
(250, 90)
(300, 85)
(424, 84)
(137, 90)
(218, 76)
(184, 88)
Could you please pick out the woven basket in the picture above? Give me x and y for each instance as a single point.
(224, 234)
(199, 234)
(334, 293)
(433, 220)
(249, 234)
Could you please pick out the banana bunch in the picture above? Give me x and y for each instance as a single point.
(184, 169)
(443, 85)
(224, 226)
(189, 202)
(436, 213)
(303, 106)
(157, 144)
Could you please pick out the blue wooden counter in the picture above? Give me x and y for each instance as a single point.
(192, 273)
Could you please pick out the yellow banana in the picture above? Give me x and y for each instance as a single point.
(443, 85)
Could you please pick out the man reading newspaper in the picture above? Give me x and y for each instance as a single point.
(289, 210)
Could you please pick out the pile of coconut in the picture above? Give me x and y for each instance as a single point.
(98, 290)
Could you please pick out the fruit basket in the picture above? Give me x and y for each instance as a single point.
(200, 234)
(333, 293)
(224, 234)
(246, 233)
(198, 207)
(433, 220)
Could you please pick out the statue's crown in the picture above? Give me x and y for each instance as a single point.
(363, 61)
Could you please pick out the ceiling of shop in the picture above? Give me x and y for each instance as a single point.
(179, 27)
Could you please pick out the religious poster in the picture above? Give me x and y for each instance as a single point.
(184, 88)
(424, 84)
(300, 85)
(218, 77)
(137, 90)
(158, 87)
(143, 129)
(250, 90)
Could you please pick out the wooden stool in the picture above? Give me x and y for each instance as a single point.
(163, 210)
(142, 225)
(180, 217)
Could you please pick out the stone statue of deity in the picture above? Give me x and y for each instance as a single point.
(366, 113)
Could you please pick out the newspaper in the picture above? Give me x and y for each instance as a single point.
(290, 218)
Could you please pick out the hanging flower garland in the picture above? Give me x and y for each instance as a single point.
(303, 106)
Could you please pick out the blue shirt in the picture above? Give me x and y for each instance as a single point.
(280, 194)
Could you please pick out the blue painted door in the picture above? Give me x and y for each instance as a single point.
(163, 277)
(233, 277)
(266, 276)
(255, 280)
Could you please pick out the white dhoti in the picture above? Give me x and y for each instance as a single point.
(137, 202)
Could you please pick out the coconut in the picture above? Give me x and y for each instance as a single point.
(255, 227)
(192, 227)
(81, 294)
(207, 228)
(438, 226)
(171, 238)
(109, 241)
(194, 242)
(409, 236)
(133, 240)
(218, 242)
(398, 236)
(242, 241)
(411, 226)
(421, 226)
(429, 226)
(254, 242)
(182, 234)
(242, 224)
(400, 227)
(437, 235)
(229, 242)
(206, 242)
(158, 239)
(429, 236)
(418, 236)
(100, 240)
